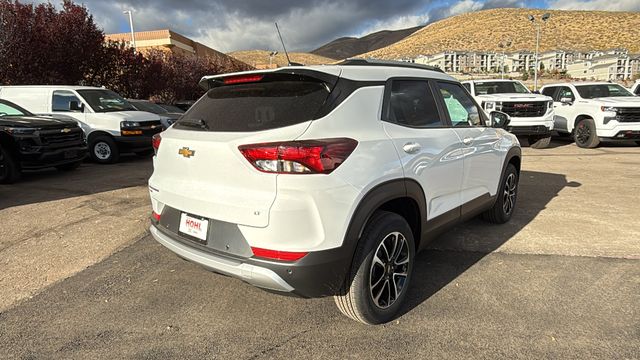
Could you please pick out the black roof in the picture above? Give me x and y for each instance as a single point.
(374, 62)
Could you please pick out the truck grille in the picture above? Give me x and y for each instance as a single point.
(525, 109)
(628, 114)
(62, 137)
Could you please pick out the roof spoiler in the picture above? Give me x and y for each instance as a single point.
(209, 82)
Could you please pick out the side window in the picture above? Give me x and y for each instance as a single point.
(565, 92)
(62, 101)
(637, 92)
(5, 109)
(412, 104)
(550, 91)
(462, 110)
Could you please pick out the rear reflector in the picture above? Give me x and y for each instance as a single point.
(155, 216)
(155, 142)
(299, 157)
(278, 255)
(242, 79)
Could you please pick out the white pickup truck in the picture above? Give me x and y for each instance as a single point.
(531, 114)
(595, 111)
(635, 89)
(110, 123)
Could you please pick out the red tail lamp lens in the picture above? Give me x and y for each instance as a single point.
(155, 142)
(155, 216)
(278, 255)
(299, 157)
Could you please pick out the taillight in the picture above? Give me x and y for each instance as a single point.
(278, 255)
(242, 79)
(299, 157)
(155, 142)
(155, 216)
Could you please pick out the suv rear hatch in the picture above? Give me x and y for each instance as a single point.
(199, 169)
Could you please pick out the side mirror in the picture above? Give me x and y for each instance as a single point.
(76, 106)
(499, 119)
(566, 100)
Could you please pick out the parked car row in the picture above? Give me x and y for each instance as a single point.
(105, 123)
(590, 112)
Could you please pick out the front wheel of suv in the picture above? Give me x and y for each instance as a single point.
(585, 134)
(539, 142)
(380, 274)
(505, 204)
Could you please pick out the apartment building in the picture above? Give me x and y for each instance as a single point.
(556, 60)
(606, 67)
(449, 61)
(520, 61)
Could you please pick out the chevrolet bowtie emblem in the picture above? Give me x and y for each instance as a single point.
(186, 152)
(65, 130)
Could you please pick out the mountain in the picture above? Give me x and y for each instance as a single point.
(261, 57)
(484, 30)
(347, 47)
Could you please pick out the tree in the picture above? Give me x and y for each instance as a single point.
(525, 76)
(40, 45)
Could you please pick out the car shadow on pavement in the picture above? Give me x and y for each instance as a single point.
(89, 178)
(454, 252)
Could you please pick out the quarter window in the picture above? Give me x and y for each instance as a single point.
(412, 104)
(62, 100)
(461, 108)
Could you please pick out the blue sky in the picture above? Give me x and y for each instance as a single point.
(229, 25)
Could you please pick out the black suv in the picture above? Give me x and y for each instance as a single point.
(29, 142)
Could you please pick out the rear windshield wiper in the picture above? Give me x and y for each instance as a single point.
(199, 123)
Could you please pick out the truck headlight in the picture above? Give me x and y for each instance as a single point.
(129, 124)
(489, 105)
(608, 109)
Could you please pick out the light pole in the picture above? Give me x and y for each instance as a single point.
(271, 55)
(531, 18)
(133, 36)
(503, 45)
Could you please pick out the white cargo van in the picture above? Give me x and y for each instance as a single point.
(111, 125)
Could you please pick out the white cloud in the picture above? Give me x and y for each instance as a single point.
(465, 6)
(398, 23)
(610, 5)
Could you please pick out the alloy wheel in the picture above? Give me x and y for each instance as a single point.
(389, 270)
(509, 194)
(583, 133)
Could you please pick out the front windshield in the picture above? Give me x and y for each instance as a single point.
(602, 90)
(102, 101)
(149, 107)
(500, 87)
(11, 109)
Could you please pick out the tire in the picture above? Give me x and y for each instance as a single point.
(9, 168)
(379, 302)
(585, 134)
(638, 143)
(505, 204)
(539, 143)
(103, 150)
(70, 166)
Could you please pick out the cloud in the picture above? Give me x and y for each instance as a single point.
(617, 5)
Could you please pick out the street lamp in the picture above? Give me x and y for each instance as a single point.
(133, 37)
(531, 18)
(271, 55)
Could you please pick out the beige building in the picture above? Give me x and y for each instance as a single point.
(449, 61)
(165, 40)
(606, 67)
(556, 60)
(520, 61)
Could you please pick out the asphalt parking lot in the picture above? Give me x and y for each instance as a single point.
(82, 279)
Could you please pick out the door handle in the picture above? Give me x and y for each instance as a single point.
(411, 147)
(467, 140)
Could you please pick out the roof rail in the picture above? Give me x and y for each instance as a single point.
(374, 62)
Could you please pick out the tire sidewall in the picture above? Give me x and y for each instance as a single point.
(504, 217)
(375, 232)
(592, 141)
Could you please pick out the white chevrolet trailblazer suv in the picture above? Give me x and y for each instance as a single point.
(326, 181)
(595, 111)
(531, 114)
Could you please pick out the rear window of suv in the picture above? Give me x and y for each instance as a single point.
(274, 102)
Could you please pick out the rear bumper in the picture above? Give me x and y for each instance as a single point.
(318, 274)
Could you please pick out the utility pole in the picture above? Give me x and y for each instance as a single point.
(133, 36)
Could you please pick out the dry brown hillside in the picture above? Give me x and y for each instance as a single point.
(256, 57)
(483, 30)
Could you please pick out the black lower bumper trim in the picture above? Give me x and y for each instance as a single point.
(538, 130)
